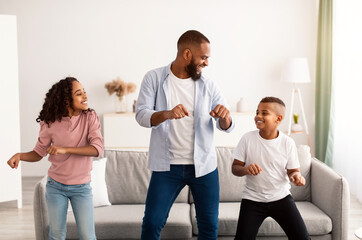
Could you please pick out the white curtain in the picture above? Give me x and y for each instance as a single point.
(347, 92)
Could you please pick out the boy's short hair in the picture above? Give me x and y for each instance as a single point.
(274, 100)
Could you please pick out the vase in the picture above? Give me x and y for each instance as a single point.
(297, 127)
(241, 105)
(121, 104)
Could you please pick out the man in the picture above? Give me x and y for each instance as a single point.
(179, 103)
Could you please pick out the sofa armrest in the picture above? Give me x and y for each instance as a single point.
(330, 192)
(41, 220)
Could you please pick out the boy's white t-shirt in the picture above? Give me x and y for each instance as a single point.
(274, 157)
(182, 131)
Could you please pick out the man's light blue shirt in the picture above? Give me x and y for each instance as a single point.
(154, 97)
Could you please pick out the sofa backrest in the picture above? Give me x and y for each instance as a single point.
(127, 177)
(303, 193)
(231, 186)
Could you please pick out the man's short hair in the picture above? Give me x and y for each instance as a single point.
(191, 37)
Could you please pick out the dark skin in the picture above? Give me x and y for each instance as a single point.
(199, 54)
(79, 96)
(267, 119)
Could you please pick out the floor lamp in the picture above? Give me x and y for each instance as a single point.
(296, 71)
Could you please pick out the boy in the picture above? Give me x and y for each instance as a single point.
(269, 160)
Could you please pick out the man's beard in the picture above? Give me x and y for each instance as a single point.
(191, 70)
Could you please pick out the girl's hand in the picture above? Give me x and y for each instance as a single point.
(54, 150)
(253, 169)
(14, 161)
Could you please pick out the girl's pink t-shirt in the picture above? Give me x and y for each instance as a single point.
(79, 131)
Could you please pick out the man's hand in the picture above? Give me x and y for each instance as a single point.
(54, 150)
(253, 169)
(178, 112)
(297, 179)
(223, 114)
(14, 161)
(220, 111)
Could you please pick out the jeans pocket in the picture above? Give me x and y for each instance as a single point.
(84, 186)
(50, 181)
(87, 186)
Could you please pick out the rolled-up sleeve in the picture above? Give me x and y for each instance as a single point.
(95, 138)
(145, 105)
(44, 140)
(218, 98)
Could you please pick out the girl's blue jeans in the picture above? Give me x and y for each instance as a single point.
(80, 196)
(163, 190)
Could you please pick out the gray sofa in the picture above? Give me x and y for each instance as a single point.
(323, 202)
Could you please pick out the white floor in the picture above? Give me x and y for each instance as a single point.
(18, 224)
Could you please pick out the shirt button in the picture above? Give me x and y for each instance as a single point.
(166, 139)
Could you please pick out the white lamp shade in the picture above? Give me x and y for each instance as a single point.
(296, 70)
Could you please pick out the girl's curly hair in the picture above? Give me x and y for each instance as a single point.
(57, 100)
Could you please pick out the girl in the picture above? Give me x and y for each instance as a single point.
(70, 134)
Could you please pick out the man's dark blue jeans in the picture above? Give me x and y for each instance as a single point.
(163, 190)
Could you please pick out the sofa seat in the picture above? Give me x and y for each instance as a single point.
(317, 222)
(127, 223)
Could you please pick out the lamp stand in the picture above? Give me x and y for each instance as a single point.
(294, 92)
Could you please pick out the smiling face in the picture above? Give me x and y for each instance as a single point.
(199, 60)
(79, 99)
(268, 116)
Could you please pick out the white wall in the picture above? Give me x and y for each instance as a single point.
(10, 179)
(96, 41)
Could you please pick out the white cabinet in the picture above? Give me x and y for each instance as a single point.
(10, 179)
(120, 130)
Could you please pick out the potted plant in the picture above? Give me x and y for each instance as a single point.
(121, 90)
(296, 127)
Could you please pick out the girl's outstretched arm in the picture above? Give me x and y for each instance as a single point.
(27, 157)
(84, 151)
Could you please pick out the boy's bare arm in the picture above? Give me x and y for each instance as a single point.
(239, 169)
(295, 177)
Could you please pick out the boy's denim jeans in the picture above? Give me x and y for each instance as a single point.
(165, 187)
(80, 196)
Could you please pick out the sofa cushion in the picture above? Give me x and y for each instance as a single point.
(302, 193)
(230, 185)
(125, 222)
(127, 177)
(98, 183)
(317, 222)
